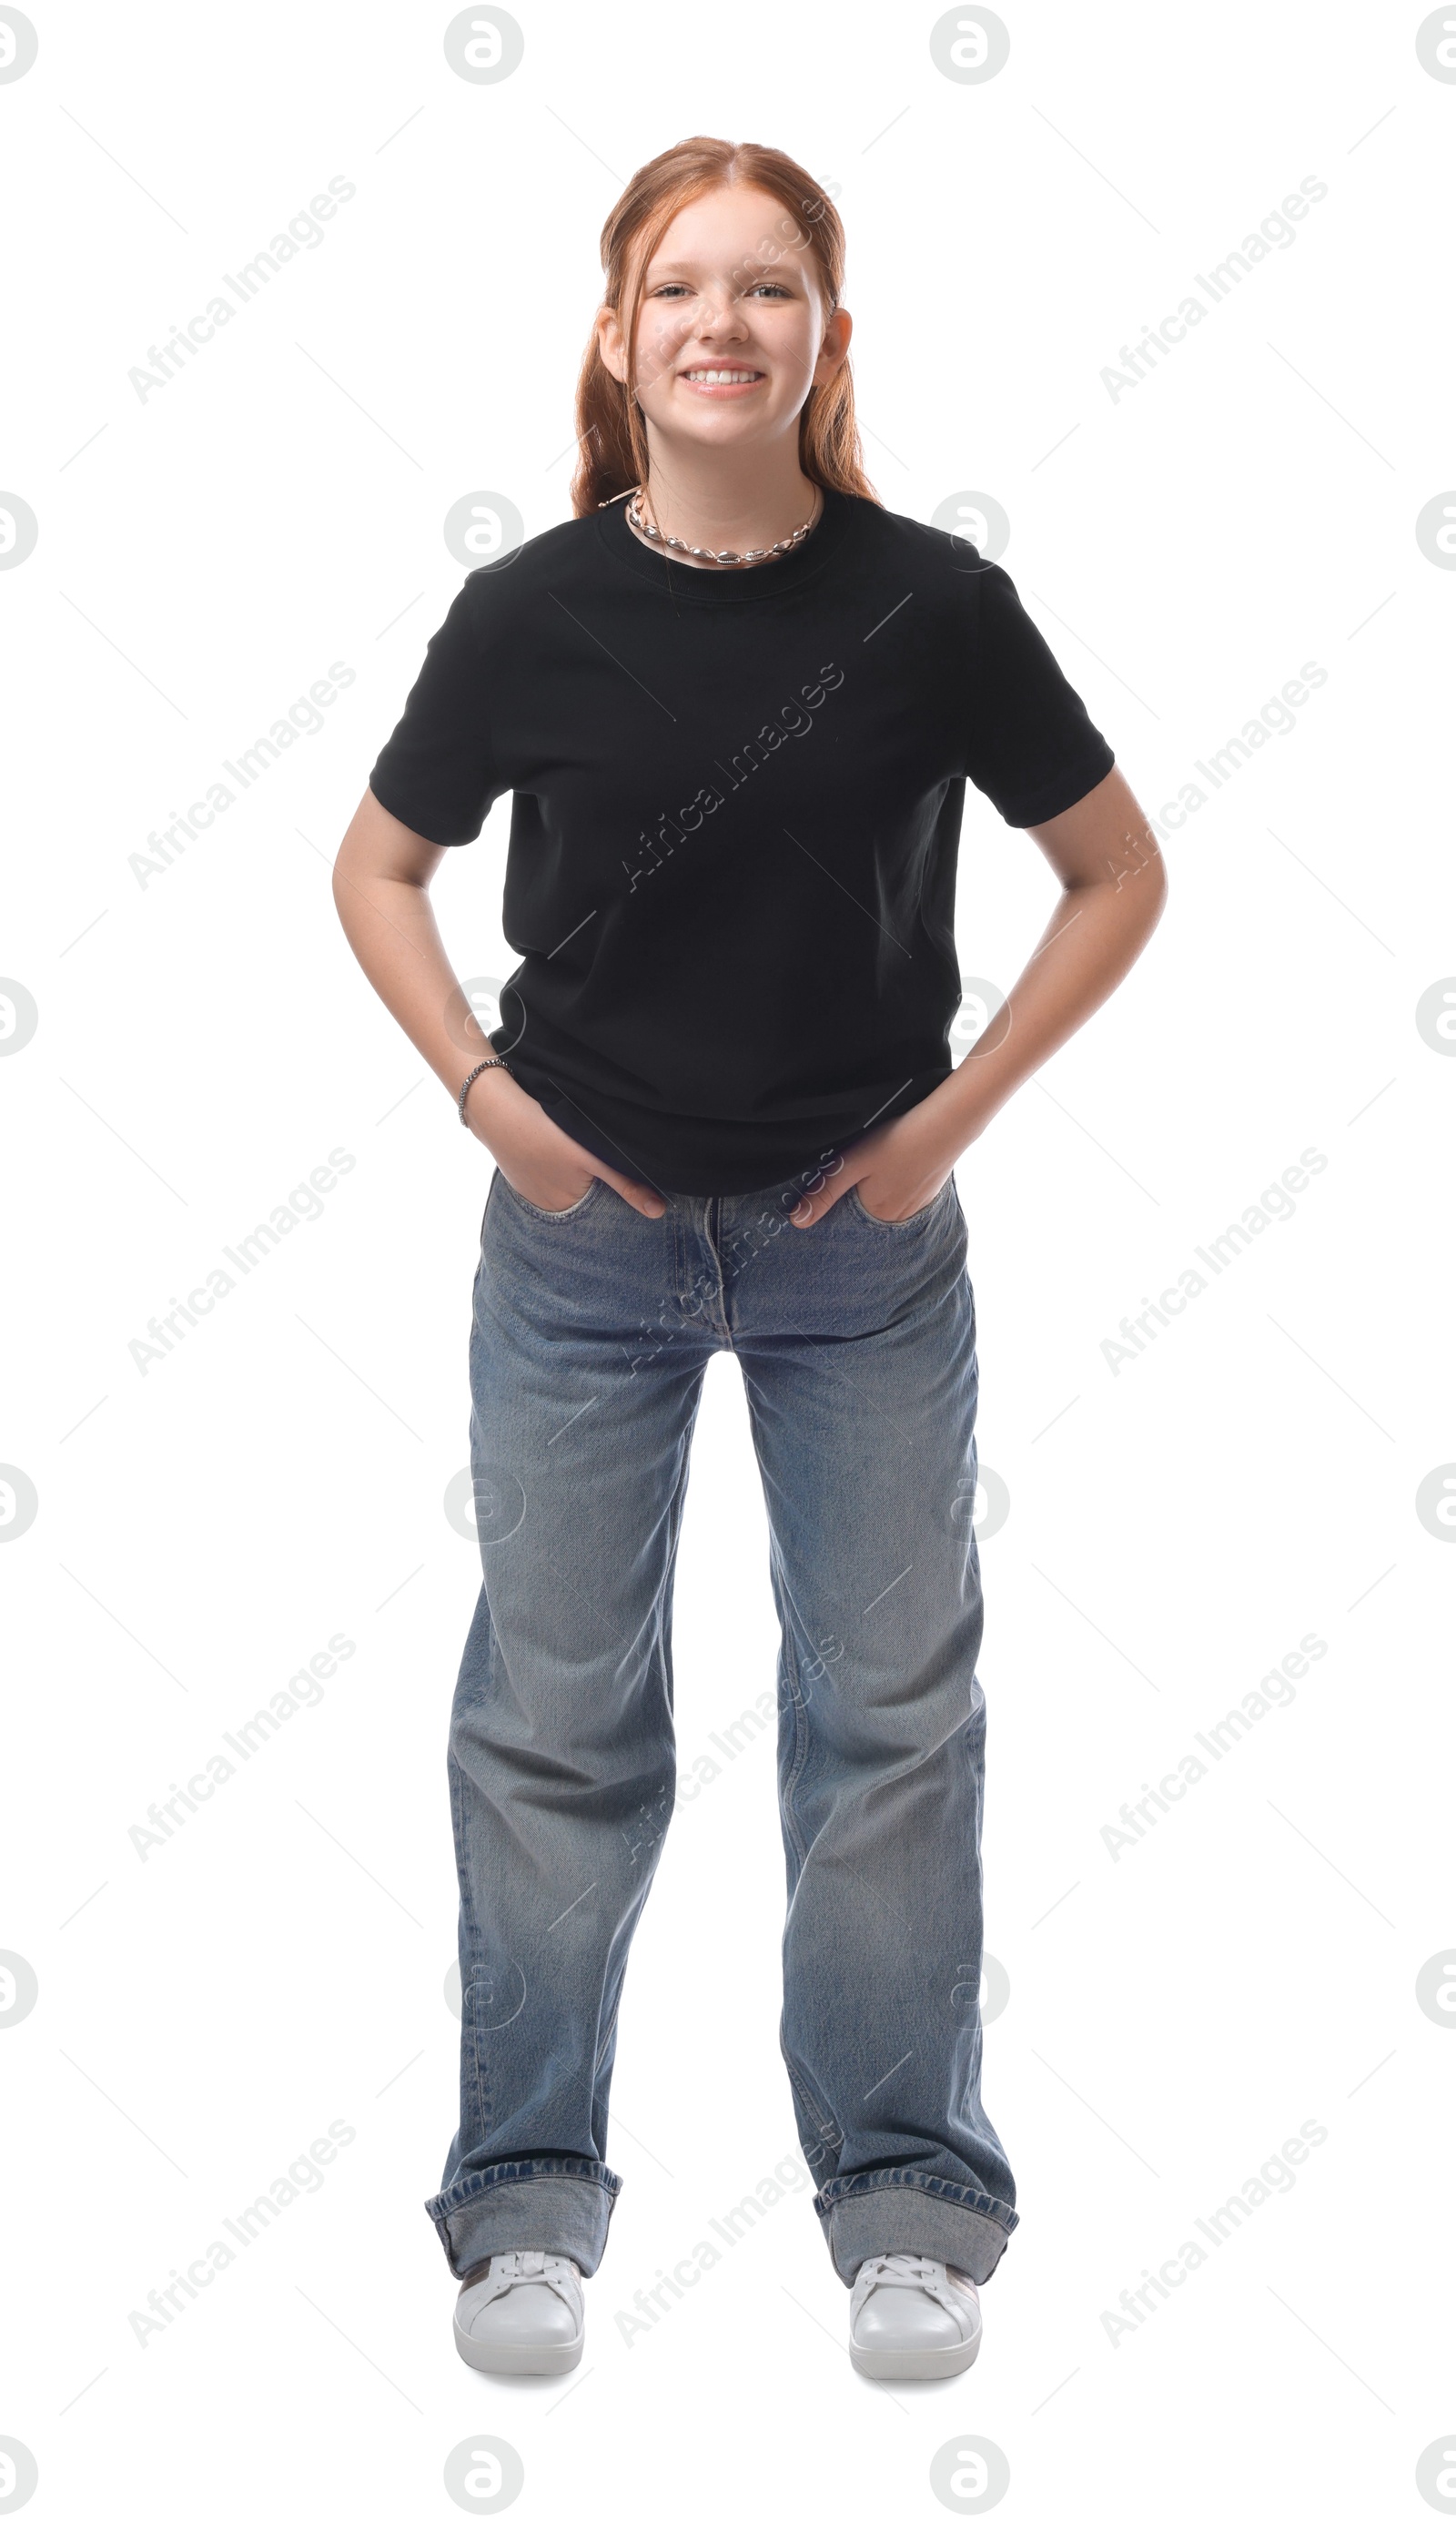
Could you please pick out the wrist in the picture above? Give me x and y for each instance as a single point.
(959, 1109)
(933, 1132)
(474, 1080)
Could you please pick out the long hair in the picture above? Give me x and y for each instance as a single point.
(610, 435)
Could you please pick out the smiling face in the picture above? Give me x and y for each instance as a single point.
(732, 331)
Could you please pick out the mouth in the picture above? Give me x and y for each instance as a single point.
(722, 381)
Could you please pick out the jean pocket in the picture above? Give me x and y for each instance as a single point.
(552, 1216)
(901, 1224)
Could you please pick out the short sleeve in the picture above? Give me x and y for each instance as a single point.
(438, 772)
(1030, 748)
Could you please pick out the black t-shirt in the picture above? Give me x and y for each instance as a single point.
(737, 805)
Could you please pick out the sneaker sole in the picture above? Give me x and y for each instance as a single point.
(914, 2364)
(485, 2355)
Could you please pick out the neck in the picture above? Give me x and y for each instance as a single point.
(723, 505)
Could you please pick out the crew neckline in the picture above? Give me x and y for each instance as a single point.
(688, 584)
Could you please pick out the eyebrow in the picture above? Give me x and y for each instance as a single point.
(689, 270)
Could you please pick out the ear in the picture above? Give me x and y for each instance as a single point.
(610, 343)
(835, 346)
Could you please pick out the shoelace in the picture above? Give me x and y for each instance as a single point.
(955, 2293)
(899, 2268)
(510, 2267)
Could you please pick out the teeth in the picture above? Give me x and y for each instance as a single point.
(723, 376)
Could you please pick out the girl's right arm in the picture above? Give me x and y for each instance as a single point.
(381, 880)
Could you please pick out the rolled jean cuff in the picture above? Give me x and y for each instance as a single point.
(877, 2211)
(561, 2206)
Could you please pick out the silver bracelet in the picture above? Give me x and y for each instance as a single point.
(470, 1081)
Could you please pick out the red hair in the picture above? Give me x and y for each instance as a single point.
(611, 436)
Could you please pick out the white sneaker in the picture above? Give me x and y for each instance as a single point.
(522, 2313)
(912, 2320)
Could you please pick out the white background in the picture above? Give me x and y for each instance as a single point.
(204, 1040)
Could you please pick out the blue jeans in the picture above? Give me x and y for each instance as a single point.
(856, 1338)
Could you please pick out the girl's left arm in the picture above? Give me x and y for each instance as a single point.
(1114, 886)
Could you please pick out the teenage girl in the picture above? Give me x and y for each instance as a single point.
(736, 700)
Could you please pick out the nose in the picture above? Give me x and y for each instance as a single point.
(718, 331)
